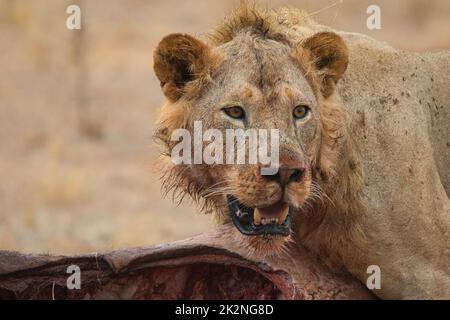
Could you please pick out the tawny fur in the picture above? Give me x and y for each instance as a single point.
(333, 221)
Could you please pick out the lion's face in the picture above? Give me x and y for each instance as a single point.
(260, 87)
(250, 83)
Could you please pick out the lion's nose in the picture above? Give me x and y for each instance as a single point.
(286, 175)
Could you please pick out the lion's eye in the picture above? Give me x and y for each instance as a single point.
(300, 112)
(234, 112)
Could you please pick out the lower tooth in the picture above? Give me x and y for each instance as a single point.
(265, 221)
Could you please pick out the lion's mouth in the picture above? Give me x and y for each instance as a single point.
(272, 220)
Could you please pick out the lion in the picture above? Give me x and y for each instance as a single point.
(363, 177)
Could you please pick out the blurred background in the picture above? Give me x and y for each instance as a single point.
(77, 111)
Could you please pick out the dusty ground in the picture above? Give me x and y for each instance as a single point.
(77, 174)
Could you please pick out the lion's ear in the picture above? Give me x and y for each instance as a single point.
(179, 59)
(330, 55)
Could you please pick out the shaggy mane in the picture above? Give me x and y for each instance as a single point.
(267, 23)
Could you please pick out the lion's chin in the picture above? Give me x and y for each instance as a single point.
(262, 246)
(273, 221)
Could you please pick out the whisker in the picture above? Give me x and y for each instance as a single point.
(324, 9)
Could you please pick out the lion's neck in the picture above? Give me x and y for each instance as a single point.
(330, 228)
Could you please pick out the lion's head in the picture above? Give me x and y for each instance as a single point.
(252, 76)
